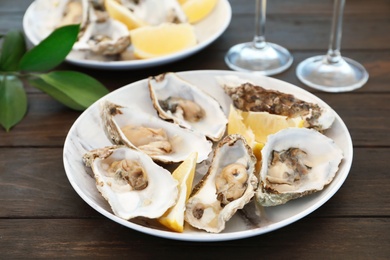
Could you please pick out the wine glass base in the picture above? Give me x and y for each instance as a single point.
(345, 75)
(269, 60)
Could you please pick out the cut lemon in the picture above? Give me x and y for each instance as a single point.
(256, 126)
(236, 126)
(196, 10)
(167, 38)
(264, 124)
(184, 173)
(122, 14)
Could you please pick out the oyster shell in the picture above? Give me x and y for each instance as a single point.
(99, 34)
(296, 162)
(247, 96)
(131, 182)
(229, 184)
(56, 13)
(163, 141)
(155, 12)
(186, 105)
(102, 35)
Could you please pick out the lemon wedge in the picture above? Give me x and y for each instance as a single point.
(256, 126)
(122, 14)
(236, 125)
(184, 174)
(264, 124)
(167, 38)
(196, 10)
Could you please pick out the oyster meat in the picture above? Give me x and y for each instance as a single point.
(229, 184)
(163, 141)
(247, 96)
(296, 162)
(186, 105)
(131, 182)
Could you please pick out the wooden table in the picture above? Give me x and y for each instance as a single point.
(41, 216)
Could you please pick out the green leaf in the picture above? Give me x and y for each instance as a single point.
(55, 93)
(14, 47)
(13, 101)
(73, 89)
(51, 51)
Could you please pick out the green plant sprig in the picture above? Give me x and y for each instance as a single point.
(73, 89)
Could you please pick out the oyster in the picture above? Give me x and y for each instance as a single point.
(229, 184)
(186, 105)
(155, 12)
(296, 162)
(102, 35)
(246, 96)
(55, 13)
(99, 34)
(131, 182)
(163, 141)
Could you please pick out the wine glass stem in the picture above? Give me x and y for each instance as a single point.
(334, 55)
(259, 38)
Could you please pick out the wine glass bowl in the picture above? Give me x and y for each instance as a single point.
(268, 60)
(259, 56)
(344, 75)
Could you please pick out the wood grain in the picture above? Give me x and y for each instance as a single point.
(309, 238)
(41, 216)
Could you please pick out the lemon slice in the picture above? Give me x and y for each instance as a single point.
(264, 124)
(184, 173)
(236, 126)
(167, 38)
(256, 126)
(122, 14)
(196, 10)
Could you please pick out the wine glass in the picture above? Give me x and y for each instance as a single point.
(332, 72)
(259, 56)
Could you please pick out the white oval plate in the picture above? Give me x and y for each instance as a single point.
(207, 31)
(87, 133)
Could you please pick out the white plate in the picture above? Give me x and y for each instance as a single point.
(87, 133)
(207, 31)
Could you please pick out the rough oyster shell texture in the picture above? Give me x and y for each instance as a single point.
(247, 96)
(229, 184)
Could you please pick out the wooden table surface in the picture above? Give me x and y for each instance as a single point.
(41, 216)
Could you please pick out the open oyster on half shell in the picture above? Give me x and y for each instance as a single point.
(296, 162)
(228, 185)
(181, 102)
(247, 96)
(131, 182)
(100, 35)
(161, 140)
